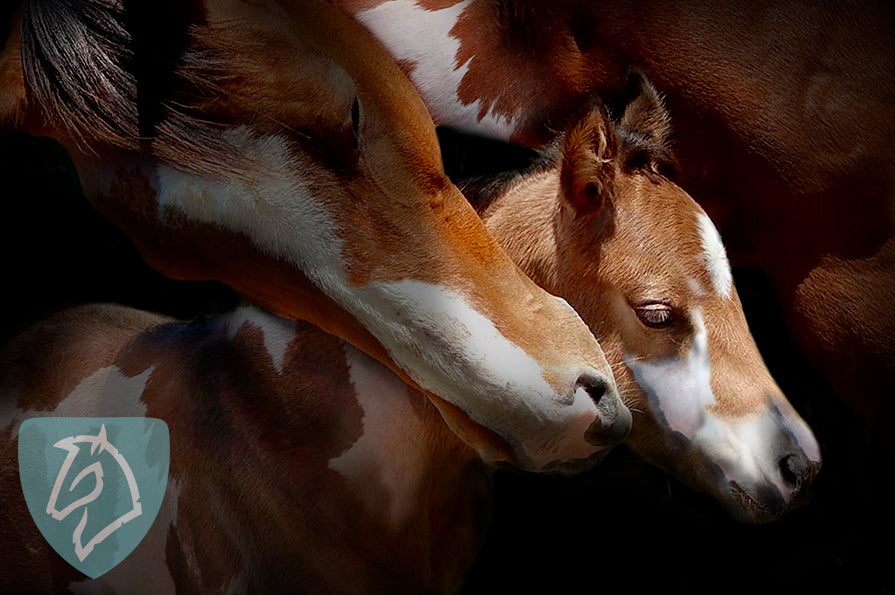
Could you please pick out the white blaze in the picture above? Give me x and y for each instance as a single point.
(465, 356)
(679, 388)
(715, 257)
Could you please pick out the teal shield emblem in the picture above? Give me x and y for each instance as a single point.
(94, 485)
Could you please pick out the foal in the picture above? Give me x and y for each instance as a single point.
(608, 230)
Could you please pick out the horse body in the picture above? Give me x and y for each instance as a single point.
(277, 148)
(783, 119)
(297, 462)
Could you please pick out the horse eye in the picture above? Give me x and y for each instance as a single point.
(355, 116)
(655, 315)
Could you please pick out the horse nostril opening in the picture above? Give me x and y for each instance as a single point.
(596, 388)
(793, 469)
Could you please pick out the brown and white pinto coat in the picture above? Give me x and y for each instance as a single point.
(277, 148)
(298, 462)
(784, 112)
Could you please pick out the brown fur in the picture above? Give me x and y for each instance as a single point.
(290, 521)
(609, 239)
(252, 502)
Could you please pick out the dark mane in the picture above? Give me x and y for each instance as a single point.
(125, 74)
(637, 142)
(484, 168)
(77, 57)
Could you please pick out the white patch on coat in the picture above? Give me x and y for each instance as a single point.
(276, 332)
(748, 449)
(431, 331)
(745, 448)
(678, 388)
(464, 356)
(270, 203)
(423, 37)
(388, 461)
(145, 570)
(715, 257)
(106, 392)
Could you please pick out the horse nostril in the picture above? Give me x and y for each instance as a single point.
(794, 470)
(595, 386)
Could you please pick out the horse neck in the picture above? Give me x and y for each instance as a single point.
(301, 408)
(522, 218)
(499, 47)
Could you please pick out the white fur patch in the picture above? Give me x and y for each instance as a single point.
(388, 460)
(748, 449)
(106, 391)
(715, 257)
(423, 37)
(269, 204)
(277, 332)
(678, 388)
(465, 356)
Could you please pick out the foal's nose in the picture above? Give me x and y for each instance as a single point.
(797, 472)
(613, 419)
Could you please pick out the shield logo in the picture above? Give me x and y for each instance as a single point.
(94, 485)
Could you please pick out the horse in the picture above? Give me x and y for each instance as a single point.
(783, 113)
(277, 148)
(327, 473)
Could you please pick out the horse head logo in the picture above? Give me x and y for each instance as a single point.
(98, 445)
(93, 485)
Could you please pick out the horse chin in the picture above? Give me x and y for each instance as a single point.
(755, 506)
(575, 466)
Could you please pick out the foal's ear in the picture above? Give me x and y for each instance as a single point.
(639, 109)
(587, 175)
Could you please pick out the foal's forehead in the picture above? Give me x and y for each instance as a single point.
(678, 238)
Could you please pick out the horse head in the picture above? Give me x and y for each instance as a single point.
(276, 147)
(604, 225)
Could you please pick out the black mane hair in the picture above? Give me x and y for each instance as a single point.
(122, 74)
(636, 129)
(77, 57)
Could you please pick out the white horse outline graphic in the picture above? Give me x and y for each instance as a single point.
(98, 444)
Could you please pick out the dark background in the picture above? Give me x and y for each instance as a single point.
(624, 527)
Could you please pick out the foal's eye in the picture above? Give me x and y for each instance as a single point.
(655, 315)
(355, 116)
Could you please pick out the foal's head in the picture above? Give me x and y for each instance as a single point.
(604, 226)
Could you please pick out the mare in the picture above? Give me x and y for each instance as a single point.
(277, 148)
(784, 117)
(327, 473)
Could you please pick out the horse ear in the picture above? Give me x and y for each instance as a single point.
(642, 110)
(587, 175)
